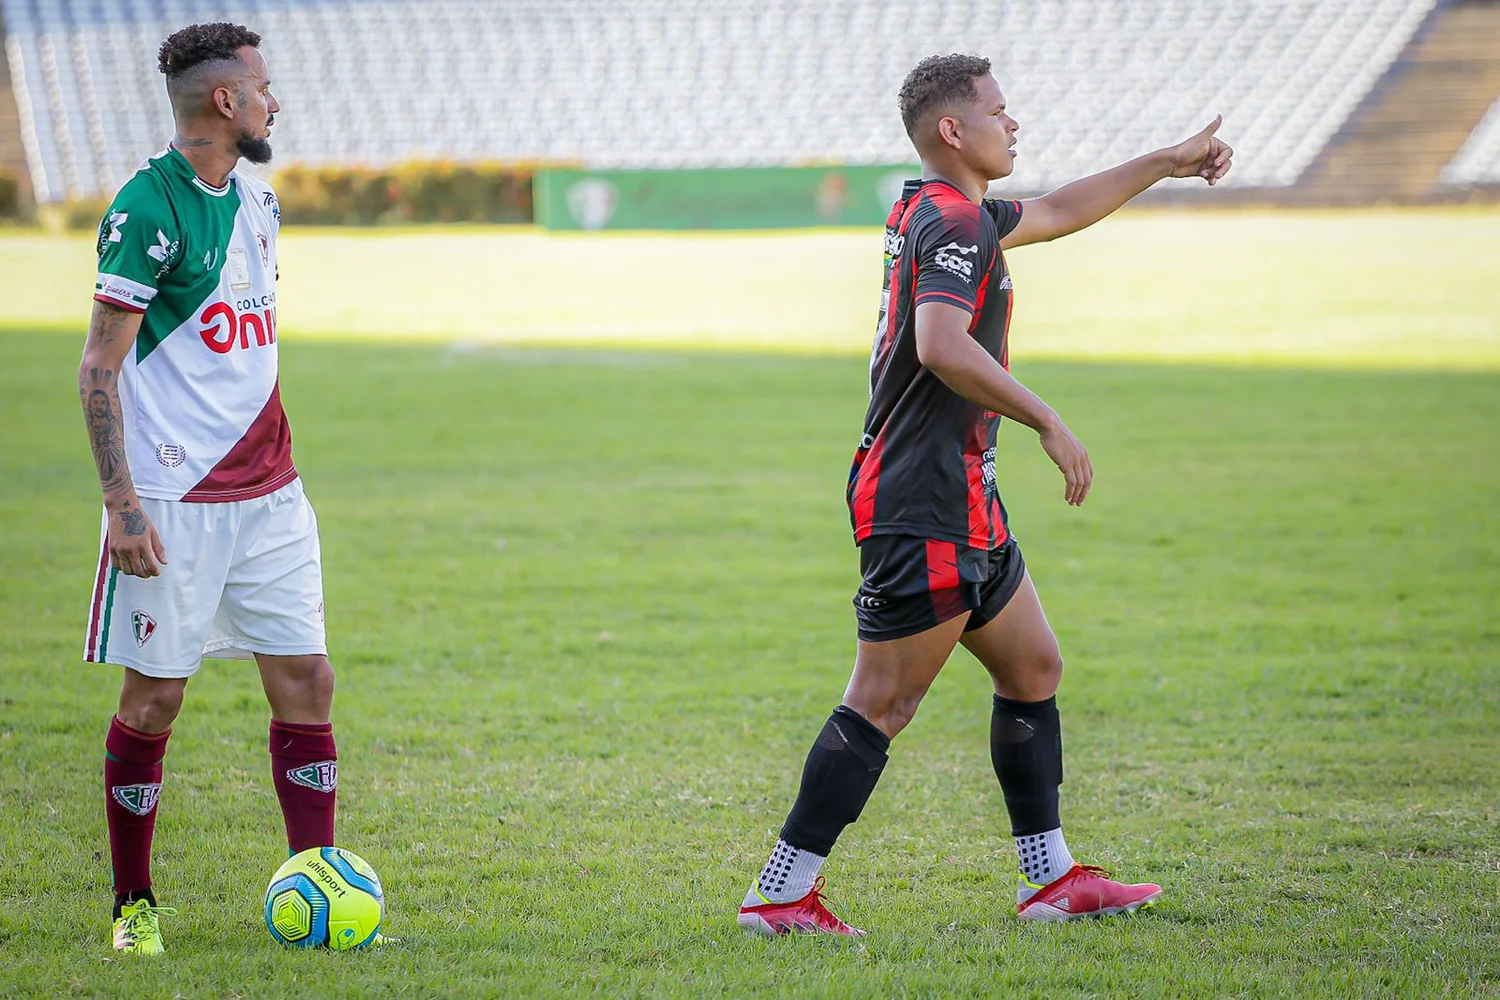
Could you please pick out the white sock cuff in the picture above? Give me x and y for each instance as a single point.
(789, 874)
(1044, 857)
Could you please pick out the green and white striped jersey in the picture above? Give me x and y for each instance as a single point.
(199, 393)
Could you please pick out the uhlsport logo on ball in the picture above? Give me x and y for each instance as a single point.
(325, 897)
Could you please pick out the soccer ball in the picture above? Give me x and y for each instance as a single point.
(325, 896)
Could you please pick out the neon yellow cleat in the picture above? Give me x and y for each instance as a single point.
(138, 928)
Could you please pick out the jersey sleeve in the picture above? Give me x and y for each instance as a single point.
(1007, 215)
(948, 265)
(139, 242)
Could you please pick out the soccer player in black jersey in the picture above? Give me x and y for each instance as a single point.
(939, 564)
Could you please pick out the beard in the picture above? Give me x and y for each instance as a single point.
(254, 150)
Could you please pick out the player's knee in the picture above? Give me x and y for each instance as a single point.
(315, 679)
(1044, 675)
(152, 707)
(1050, 665)
(300, 688)
(323, 677)
(894, 712)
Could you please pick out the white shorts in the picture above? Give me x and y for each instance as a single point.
(241, 577)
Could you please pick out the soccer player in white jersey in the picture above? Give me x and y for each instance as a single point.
(209, 546)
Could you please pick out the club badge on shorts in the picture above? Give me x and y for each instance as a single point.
(143, 625)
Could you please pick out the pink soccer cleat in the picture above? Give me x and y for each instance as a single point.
(1086, 891)
(807, 915)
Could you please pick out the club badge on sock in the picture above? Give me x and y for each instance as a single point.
(139, 799)
(322, 776)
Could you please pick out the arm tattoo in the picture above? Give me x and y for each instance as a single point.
(99, 394)
(107, 322)
(101, 411)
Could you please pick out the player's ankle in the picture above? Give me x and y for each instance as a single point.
(123, 899)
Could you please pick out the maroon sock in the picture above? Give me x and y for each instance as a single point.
(304, 763)
(132, 786)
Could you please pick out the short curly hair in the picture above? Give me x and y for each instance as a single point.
(939, 81)
(200, 43)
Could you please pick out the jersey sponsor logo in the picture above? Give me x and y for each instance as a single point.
(114, 222)
(139, 799)
(322, 776)
(211, 259)
(870, 603)
(115, 287)
(171, 455)
(987, 472)
(164, 248)
(143, 625)
(894, 243)
(224, 329)
(1005, 284)
(269, 200)
(951, 259)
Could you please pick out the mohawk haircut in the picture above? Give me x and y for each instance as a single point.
(939, 82)
(197, 44)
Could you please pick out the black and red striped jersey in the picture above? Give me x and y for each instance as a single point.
(926, 463)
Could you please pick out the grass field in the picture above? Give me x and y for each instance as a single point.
(1394, 288)
(588, 608)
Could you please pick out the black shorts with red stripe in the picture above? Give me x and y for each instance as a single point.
(913, 584)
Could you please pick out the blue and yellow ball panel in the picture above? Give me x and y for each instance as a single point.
(355, 870)
(297, 912)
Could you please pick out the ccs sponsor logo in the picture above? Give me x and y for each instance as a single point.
(951, 258)
(987, 473)
(894, 243)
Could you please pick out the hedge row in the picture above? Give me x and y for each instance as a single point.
(10, 196)
(363, 196)
(412, 192)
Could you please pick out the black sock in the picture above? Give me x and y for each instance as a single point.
(1026, 749)
(125, 898)
(841, 771)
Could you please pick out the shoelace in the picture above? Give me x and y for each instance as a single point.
(816, 897)
(146, 915)
(1096, 871)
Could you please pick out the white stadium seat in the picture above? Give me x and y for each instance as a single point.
(645, 83)
(1478, 162)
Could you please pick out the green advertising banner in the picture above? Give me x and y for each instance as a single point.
(742, 198)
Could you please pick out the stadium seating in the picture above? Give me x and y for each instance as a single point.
(1478, 162)
(708, 82)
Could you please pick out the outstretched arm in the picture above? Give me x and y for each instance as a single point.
(134, 546)
(1084, 202)
(945, 348)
